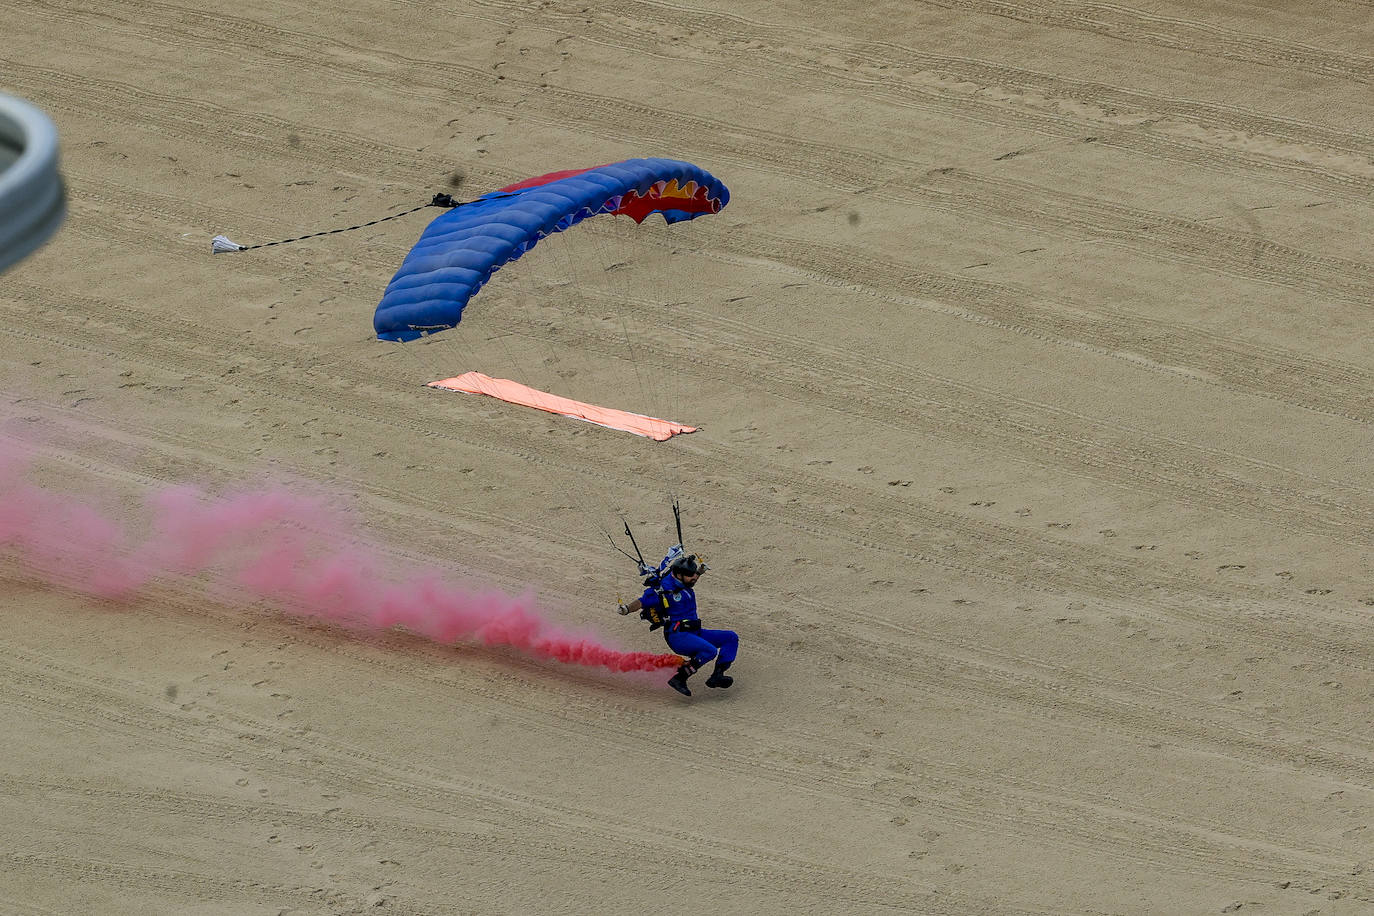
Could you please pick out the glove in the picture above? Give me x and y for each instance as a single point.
(623, 610)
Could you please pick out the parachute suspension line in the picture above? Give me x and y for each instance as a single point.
(472, 351)
(589, 496)
(460, 353)
(616, 292)
(618, 298)
(610, 291)
(533, 325)
(540, 330)
(520, 339)
(659, 237)
(650, 376)
(504, 328)
(628, 298)
(563, 248)
(565, 296)
(587, 265)
(676, 242)
(516, 358)
(577, 495)
(424, 354)
(574, 319)
(462, 342)
(524, 287)
(586, 285)
(665, 478)
(411, 350)
(599, 295)
(665, 239)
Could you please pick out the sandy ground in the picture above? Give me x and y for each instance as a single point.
(1036, 389)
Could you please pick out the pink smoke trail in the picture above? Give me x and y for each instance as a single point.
(277, 546)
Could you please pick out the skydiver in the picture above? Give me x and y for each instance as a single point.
(670, 601)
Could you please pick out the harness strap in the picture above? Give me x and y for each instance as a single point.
(657, 616)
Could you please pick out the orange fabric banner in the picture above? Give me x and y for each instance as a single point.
(516, 393)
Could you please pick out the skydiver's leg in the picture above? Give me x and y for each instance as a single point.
(698, 652)
(691, 645)
(727, 641)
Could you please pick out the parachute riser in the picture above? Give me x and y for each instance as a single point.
(638, 554)
(655, 574)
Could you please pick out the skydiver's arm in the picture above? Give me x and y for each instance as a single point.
(630, 608)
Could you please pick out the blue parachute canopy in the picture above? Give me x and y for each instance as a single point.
(460, 250)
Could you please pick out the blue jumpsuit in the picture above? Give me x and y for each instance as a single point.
(700, 646)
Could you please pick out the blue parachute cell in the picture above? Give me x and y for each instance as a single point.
(460, 250)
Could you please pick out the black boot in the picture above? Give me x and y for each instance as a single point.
(719, 678)
(679, 681)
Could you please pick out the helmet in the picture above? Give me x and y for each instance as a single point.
(687, 566)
